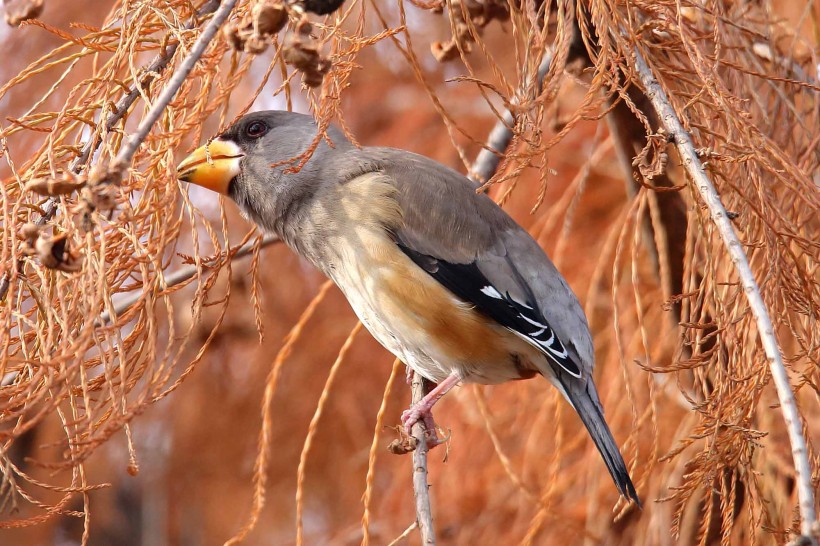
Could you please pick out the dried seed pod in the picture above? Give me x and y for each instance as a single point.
(18, 11)
(55, 253)
(104, 197)
(255, 45)
(269, 18)
(403, 446)
(481, 13)
(66, 184)
(253, 31)
(238, 33)
(315, 77)
(301, 51)
(299, 54)
(30, 231)
(104, 174)
(651, 161)
(444, 52)
(232, 35)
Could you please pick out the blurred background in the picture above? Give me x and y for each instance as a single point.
(519, 468)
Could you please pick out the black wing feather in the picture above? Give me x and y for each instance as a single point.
(467, 282)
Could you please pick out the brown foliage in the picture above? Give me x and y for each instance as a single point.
(683, 378)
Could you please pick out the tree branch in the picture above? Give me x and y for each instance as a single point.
(694, 167)
(175, 278)
(405, 534)
(421, 489)
(183, 274)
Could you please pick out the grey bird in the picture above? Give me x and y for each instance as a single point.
(439, 274)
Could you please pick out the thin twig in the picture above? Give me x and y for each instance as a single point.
(694, 167)
(421, 489)
(486, 164)
(482, 170)
(764, 51)
(157, 65)
(404, 535)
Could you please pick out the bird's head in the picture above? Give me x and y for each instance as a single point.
(250, 162)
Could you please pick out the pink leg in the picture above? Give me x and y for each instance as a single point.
(421, 410)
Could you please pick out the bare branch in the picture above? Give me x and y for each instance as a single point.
(405, 534)
(421, 489)
(692, 164)
(482, 170)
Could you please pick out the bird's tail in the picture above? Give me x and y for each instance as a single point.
(584, 398)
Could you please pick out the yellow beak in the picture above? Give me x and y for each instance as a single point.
(212, 166)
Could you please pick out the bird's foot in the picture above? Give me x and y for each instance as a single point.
(422, 413)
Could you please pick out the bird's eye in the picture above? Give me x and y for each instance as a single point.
(256, 129)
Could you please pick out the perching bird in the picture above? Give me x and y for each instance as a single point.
(440, 275)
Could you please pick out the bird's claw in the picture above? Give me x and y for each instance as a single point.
(423, 415)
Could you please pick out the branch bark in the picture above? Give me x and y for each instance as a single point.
(691, 162)
(421, 489)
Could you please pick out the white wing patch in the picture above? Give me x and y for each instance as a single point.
(543, 338)
(533, 322)
(544, 346)
(492, 292)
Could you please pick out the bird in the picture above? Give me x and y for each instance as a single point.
(437, 272)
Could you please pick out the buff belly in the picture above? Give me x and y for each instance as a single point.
(420, 321)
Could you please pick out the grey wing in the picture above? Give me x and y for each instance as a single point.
(472, 247)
